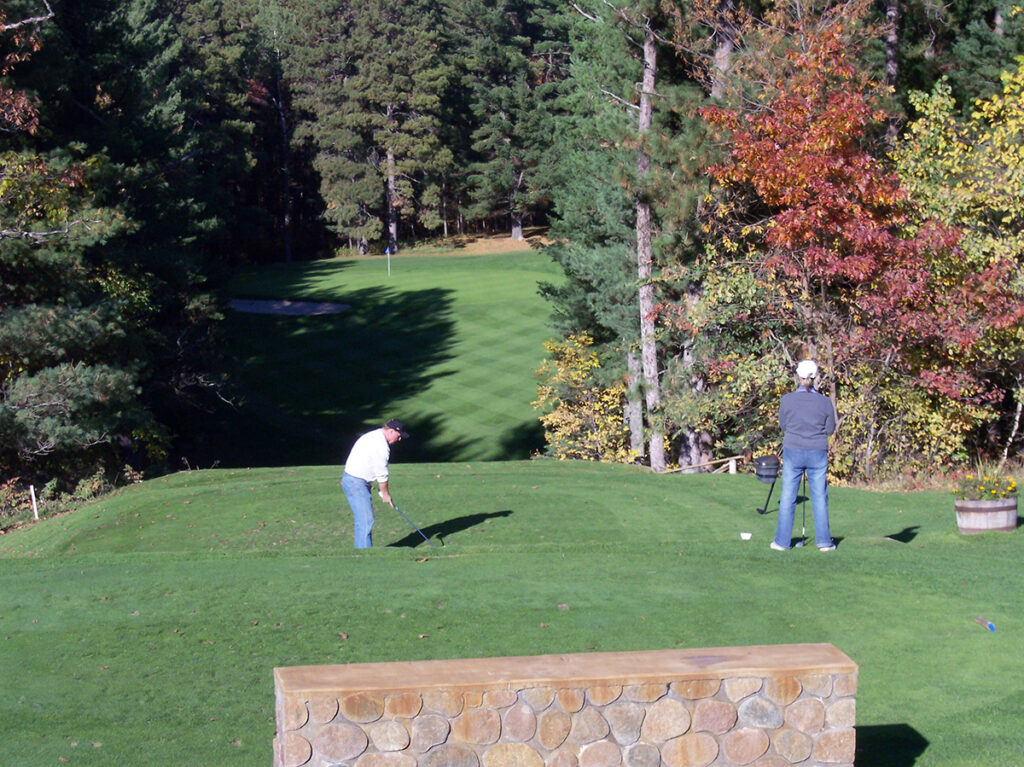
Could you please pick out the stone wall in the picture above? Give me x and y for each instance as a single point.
(768, 706)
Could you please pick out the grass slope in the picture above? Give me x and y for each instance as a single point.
(143, 629)
(448, 343)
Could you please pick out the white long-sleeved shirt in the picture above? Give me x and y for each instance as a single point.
(368, 458)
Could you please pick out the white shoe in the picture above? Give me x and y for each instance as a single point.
(830, 547)
(776, 547)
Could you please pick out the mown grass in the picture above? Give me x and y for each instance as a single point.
(143, 629)
(449, 343)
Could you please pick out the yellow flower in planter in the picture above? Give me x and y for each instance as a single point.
(981, 486)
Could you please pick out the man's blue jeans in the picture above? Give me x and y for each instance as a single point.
(794, 464)
(357, 491)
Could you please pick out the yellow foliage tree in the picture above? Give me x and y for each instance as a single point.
(582, 419)
(970, 174)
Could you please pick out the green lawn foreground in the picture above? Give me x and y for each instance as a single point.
(143, 629)
(449, 343)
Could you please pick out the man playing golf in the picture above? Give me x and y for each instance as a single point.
(368, 463)
(807, 419)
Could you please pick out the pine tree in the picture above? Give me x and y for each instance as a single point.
(495, 46)
(152, 97)
(372, 85)
(991, 40)
(68, 370)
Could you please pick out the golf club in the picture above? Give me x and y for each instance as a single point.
(411, 523)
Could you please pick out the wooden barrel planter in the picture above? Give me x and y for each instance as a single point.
(986, 516)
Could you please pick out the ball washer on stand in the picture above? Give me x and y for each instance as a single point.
(766, 468)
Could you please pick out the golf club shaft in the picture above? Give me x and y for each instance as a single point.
(413, 525)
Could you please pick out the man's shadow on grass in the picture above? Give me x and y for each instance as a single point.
(448, 527)
(889, 745)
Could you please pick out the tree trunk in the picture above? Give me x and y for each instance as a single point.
(517, 217)
(1018, 395)
(633, 412)
(286, 184)
(695, 447)
(892, 64)
(392, 205)
(644, 260)
(517, 227)
(444, 211)
(392, 195)
(725, 42)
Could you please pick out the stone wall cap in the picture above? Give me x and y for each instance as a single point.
(584, 669)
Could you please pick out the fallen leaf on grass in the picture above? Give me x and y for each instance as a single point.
(343, 635)
(423, 636)
(543, 625)
(563, 607)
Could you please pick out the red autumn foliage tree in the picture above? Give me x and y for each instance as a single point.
(811, 251)
(823, 221)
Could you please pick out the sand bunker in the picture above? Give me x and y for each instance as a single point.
(297, 308)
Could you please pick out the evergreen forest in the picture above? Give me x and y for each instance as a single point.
(728, 187)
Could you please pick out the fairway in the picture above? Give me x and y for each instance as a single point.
(447, 342)
(143, 629)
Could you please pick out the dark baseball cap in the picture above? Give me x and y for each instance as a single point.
(398, 426)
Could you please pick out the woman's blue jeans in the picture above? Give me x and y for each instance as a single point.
(357, 491)
(795, 463)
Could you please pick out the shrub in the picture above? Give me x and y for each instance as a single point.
(583, 419)
(15, 501)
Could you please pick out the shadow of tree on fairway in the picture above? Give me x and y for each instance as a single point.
(889, 745)
(306, 387)
(277, 280)
(524, 440)
(448, 527)
(424, 445)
